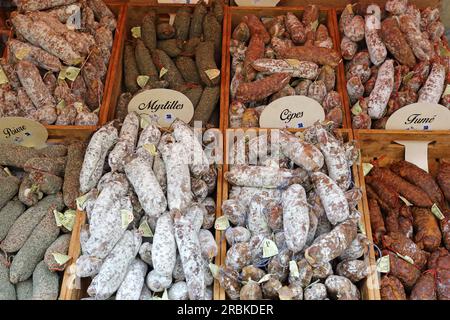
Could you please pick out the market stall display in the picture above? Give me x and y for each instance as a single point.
(36, 217)
(396, 55)
(58, 64)
(408, 214)
(288, 199)
(276, 53)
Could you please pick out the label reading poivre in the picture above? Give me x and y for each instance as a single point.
(164, 105)
(291, 112)
(26, 132)
(420, 116)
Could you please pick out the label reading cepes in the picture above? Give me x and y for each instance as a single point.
(291, 112)
(164, 105)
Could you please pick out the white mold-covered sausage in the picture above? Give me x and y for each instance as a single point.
(295, 217)
(381, 93)
(164, 249)
(431, 91)
(132, 285)
(126, 143)
(375, 46)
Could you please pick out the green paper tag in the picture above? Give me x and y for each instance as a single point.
(66, 219)
(136, 32)
(383, 264)
(212, 73)
(293, 269)
(3, 77)
(142, 81)
(408, 76)
(314, 25)
(437, 212)
(145, 230)
(127, 218)
(367, 167)
(222, 223)
(446, 91)
(61, 105)
(62, 74)
(269, 248)
(356, 109)
(362, 227)
(409, 204)
(214, 270)
(81, 201)
(61, 259)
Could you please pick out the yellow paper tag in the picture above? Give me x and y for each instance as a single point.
(409, 204)
(293, 62)
(142, 81)
(269, 248)
(79, 106)
(314, 25)
(446, 91)
(406, 258)
(293, 269)
(69, 219)
(408, 76)
(72, 73)
(265, 278)
(162, 72)
(362, 227)
(349, 8)
(383, 264)
(222, 223)
(136, 32)
(437, 212)
(81, 201)
(145, 230)
(127, 218)
(144, 122)
(22, 53)
(61, 105)
(3, 77)
(214, 270)
(59, 216)
(212, 73)
(356, 109)
(151, 148)
(367, 167)
(61, 259)
(62, 74)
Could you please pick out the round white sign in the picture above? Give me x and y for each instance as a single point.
(291, 112)
(23, 131)
(165, 105)
(420, 116)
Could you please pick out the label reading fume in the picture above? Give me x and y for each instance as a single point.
(420, 116)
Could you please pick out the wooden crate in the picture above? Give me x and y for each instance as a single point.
(369, 287)
(327, 17)
(84, 131)
(133, 15)
(379, 145)
(343, 80)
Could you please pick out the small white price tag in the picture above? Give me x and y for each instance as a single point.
(367, 167)
(214, 270)
(265, 278)
(61, 259)
(142, 80)
(162, 72)
(409, 204)
(151, 148)
(406, 258)
(81, 201)
(136, 32)
(145, 230)
(437, 212)
(383, 264)
(3, 77)
(127, 218)
(293, 269)
(269, 248)
(222, 223)
(212, 73)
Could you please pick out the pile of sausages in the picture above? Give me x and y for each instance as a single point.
(57, 62)
(394, 57)
(183, 56)
(148, 198)
(285, 55)
(37, 202)
(415, 240)
(294, 224)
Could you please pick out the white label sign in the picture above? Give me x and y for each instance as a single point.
(420, 116)
(291, 112)
(23, 131)
(165, 105)
(256, 3)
